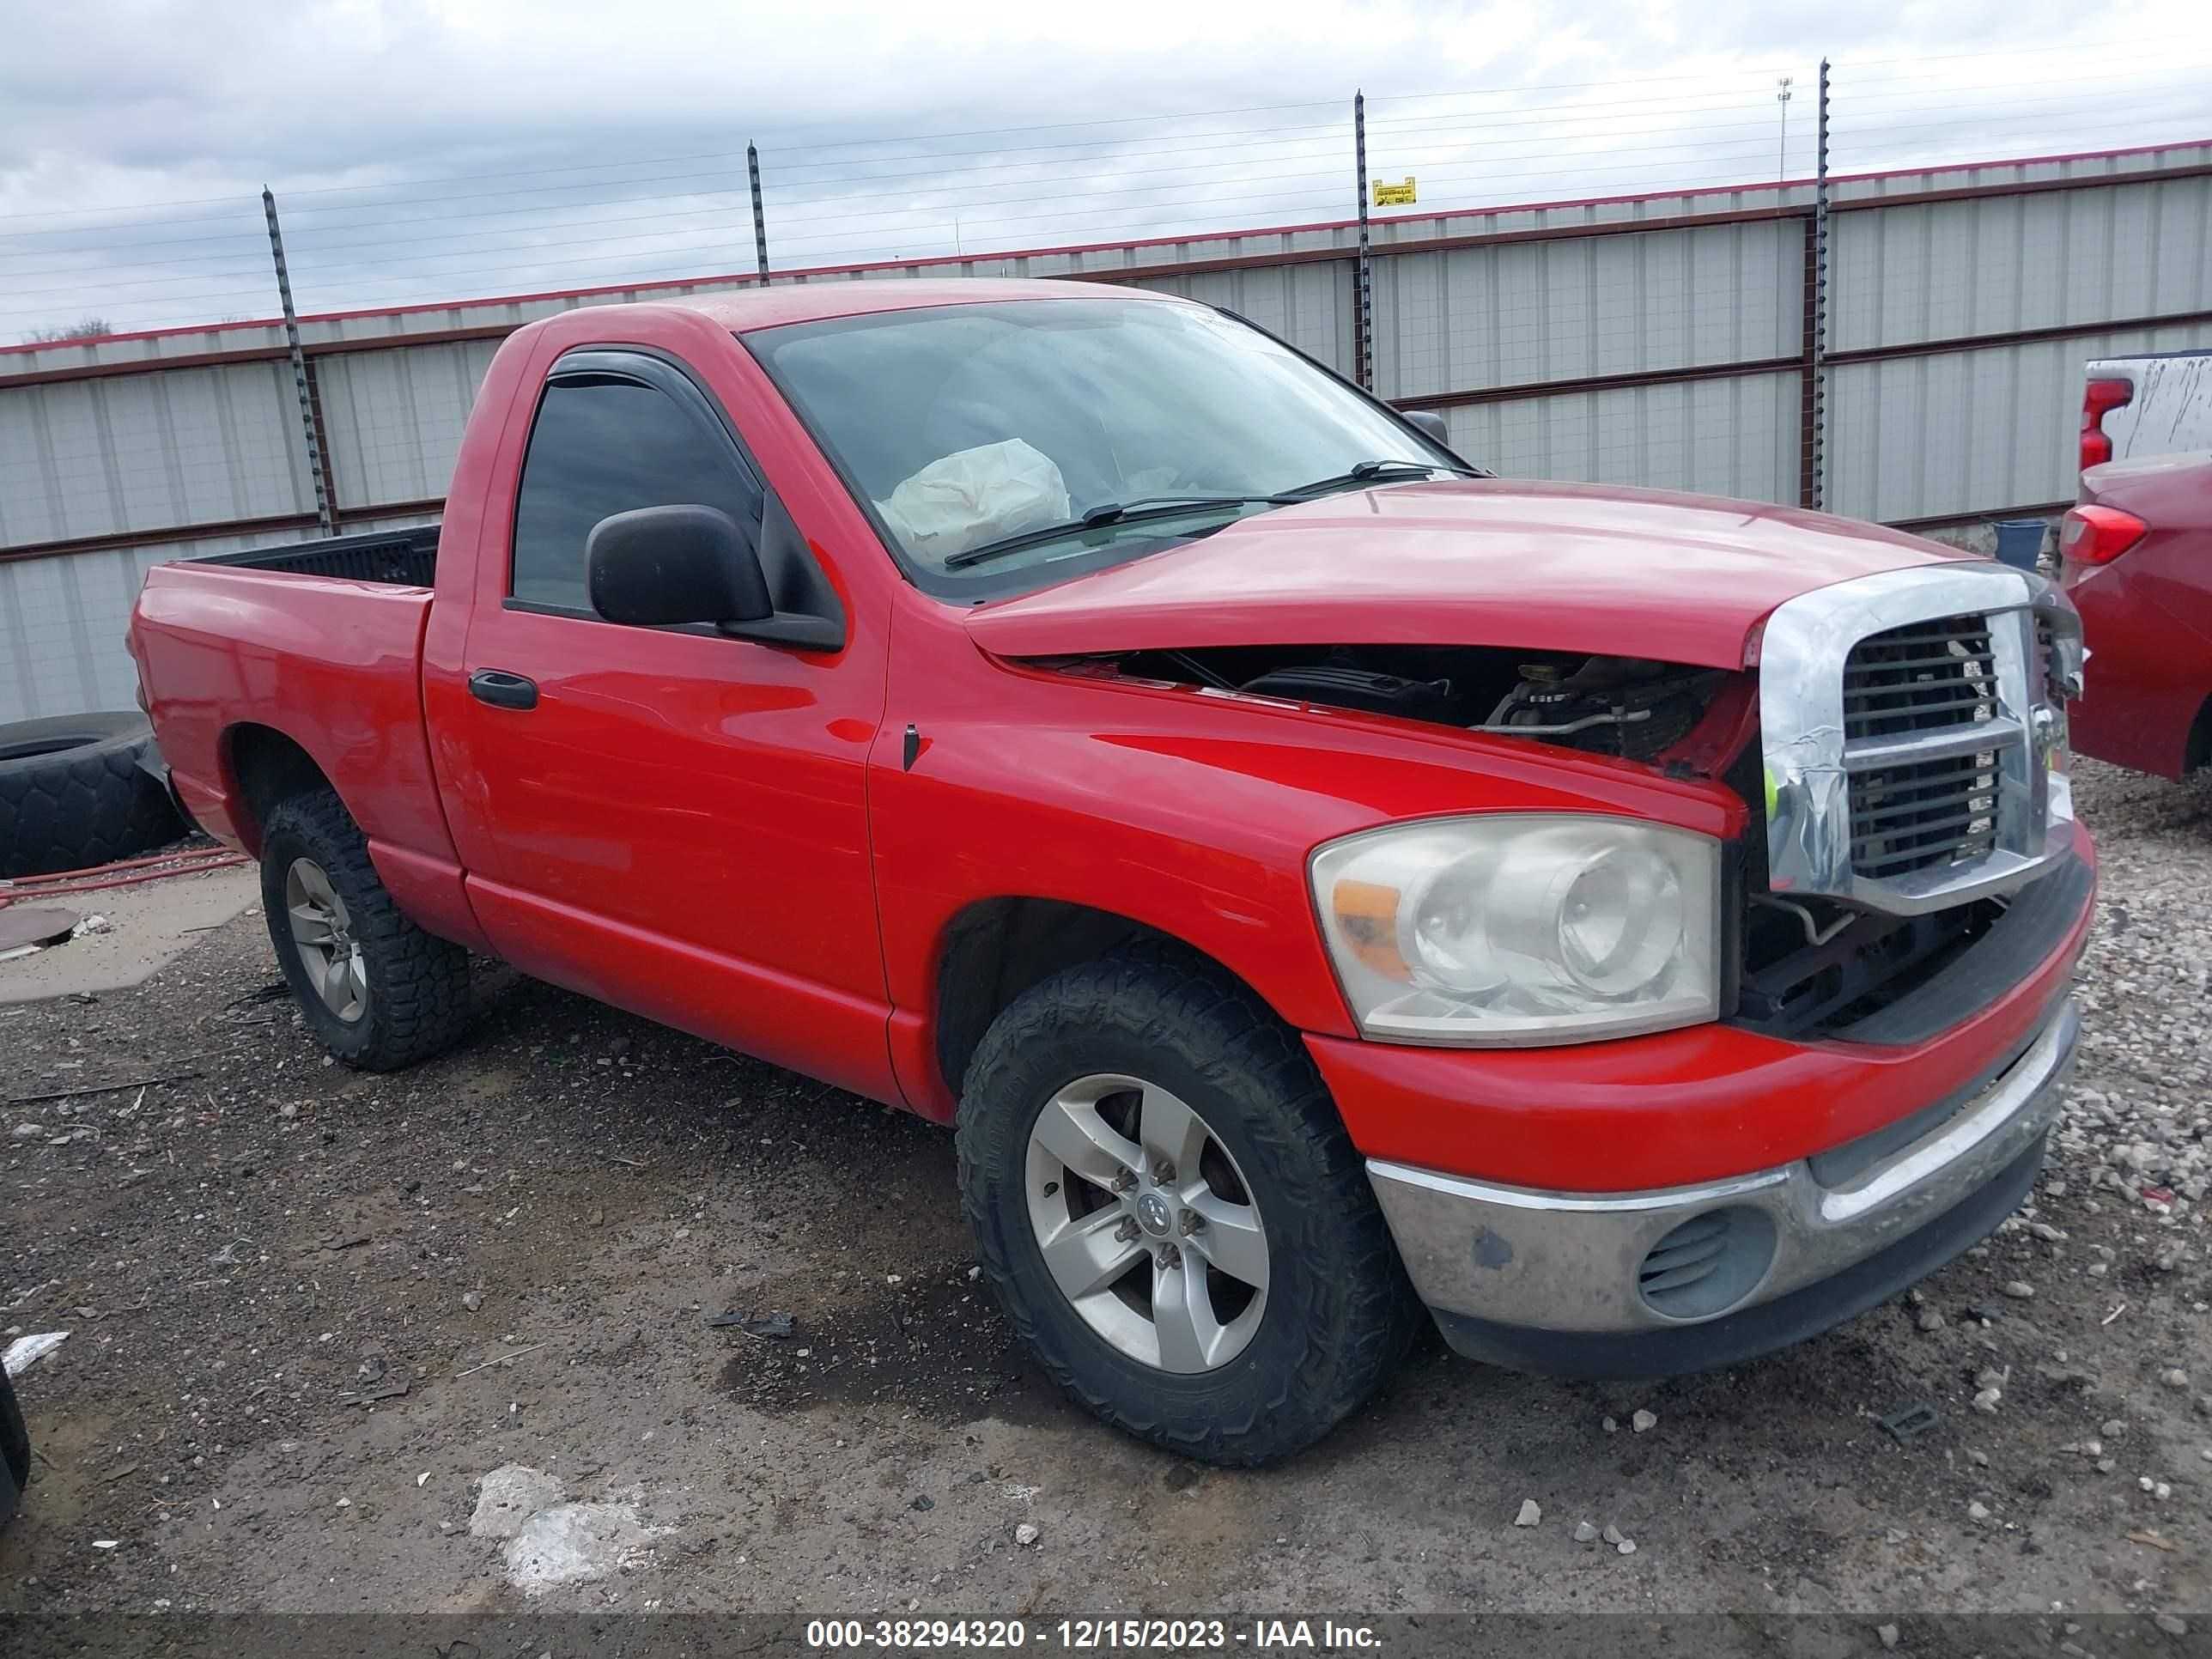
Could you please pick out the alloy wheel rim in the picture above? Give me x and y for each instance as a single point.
(323, 937)
(1146, 1224)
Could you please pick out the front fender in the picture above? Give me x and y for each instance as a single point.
(1191, 812)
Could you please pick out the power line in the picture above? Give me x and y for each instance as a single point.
(465, 178)
(306, 234)
(1071, 203)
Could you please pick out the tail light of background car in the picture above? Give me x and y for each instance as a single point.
(2098, 398)
(2090, 536)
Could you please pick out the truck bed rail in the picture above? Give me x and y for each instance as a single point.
(404, 558)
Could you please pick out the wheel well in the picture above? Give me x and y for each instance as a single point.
(271, 769)
(999, 948)
(2199, 751)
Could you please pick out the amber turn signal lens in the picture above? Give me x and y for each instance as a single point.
(1367, 916)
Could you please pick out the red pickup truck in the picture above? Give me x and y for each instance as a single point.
(1318, 880)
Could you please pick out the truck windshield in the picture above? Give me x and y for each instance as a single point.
(993, 442)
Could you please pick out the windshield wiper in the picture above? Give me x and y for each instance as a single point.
(1106, 512)
(1368, 472)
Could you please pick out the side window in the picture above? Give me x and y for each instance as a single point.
(602, 446)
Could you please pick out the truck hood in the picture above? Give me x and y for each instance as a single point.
(1528, 566)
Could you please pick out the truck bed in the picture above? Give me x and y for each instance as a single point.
(2170, 410)
(403, 558)
(328, 654)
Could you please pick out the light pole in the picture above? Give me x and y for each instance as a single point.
(1781, 97)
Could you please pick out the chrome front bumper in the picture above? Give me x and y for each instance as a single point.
(1573, 1262)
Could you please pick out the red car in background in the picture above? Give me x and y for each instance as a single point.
(2138, 566)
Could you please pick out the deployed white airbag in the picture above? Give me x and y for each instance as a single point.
(976, 495)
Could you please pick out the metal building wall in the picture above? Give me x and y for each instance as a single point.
(1967, 434)
(1736, 436)
(1481, 331)
(392, 419)
(96, 457)
(1517, 313)
(1660, 340)
(1924, 424)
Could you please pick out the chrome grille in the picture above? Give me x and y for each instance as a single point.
(1931, 675)
(1913, 725)
(1920, 678)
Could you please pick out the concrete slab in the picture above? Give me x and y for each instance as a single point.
(29, 927)
(151, 925)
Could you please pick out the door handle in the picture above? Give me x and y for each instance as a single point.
(503, 690)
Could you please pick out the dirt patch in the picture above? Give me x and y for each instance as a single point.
(933, 1344)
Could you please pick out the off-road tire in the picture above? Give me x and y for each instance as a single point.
(1340, 1312)
(419, 984)
(73, 793)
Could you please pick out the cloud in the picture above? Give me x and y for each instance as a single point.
(425, 151)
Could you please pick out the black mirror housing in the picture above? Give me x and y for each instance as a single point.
(660, 566)
(1430, 423)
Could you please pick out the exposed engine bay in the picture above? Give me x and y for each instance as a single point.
(1621, 706)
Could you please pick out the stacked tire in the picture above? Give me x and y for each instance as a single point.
(81, 790)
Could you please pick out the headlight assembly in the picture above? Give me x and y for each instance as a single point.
(1522, 929)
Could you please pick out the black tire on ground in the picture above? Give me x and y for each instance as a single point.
(73, 793)
(14, 1448)
(418, 984)
(1340, 1313)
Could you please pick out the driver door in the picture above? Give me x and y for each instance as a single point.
(666, 818)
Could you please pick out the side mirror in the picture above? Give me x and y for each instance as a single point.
(662, 565)
(1430, 423)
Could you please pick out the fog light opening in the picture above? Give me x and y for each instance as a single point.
(1708, 1264)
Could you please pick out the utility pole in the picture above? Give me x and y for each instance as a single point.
(323, 515)
(1781, 97)
(760, 219)
(1363, 346)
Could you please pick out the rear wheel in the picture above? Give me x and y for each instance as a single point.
(1172, 1213)
(378, 991)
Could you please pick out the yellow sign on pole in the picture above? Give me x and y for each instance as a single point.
(1395, 195)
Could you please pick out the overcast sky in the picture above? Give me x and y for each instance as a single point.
(423, 151)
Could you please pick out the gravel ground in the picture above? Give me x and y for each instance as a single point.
(311, 1311)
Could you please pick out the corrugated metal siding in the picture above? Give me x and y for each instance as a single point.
(393, 419)
(1995, 264)
(2116, 165)
(93, 458)
(1509, 313)
(62, 621)
(1959, 433)
(1732, 437)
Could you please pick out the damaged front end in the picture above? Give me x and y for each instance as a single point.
(1623, 707)
(1939, 699)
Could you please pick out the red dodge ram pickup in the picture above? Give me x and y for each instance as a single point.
(1318, 880)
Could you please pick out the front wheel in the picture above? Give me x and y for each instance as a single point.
(378, 991)
(1172, 1214)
